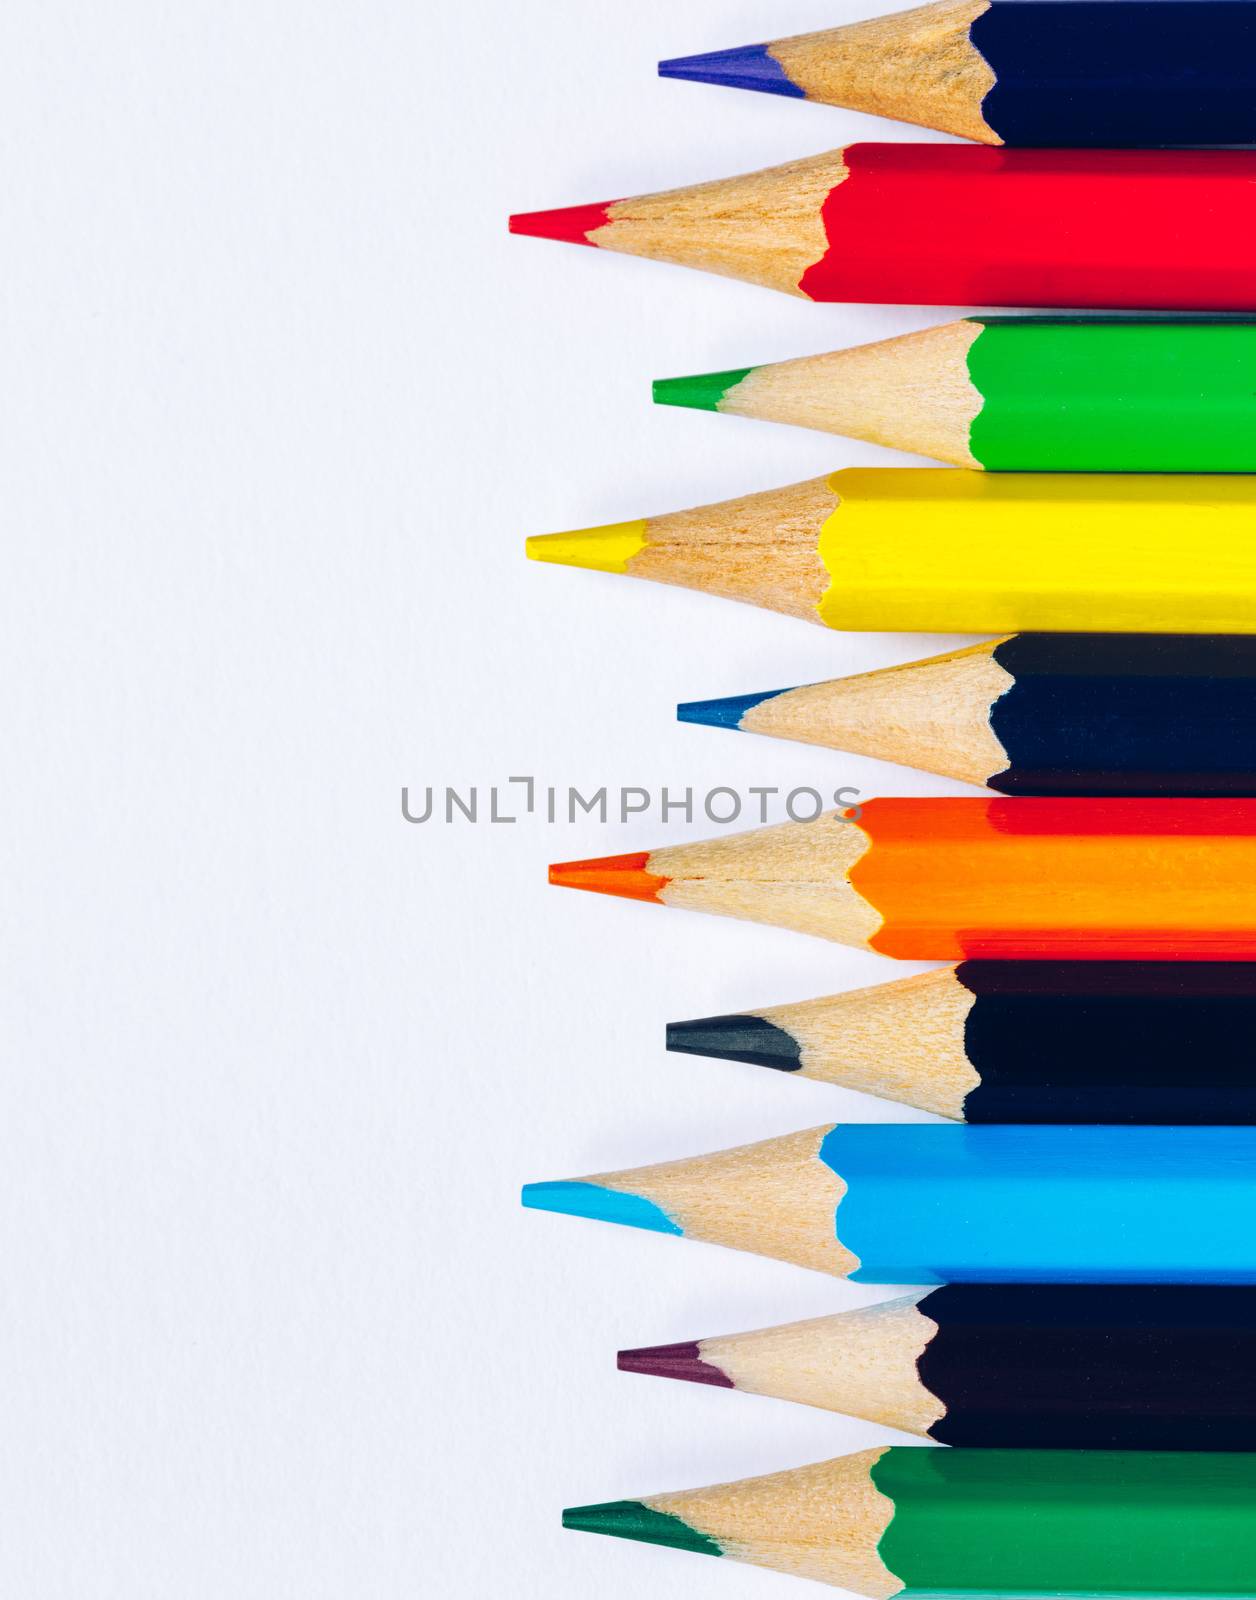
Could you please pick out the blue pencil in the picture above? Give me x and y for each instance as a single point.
(980, 1204)
(1068, 713)
(1140, 73)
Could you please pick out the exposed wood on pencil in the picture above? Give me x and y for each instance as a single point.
(788, 876)
(764, 228)
(932, 714)
(826, 1521)
(774, 1197)
(900, 1041)
(910, 393)
(758, 548)
(861, 1363)
(916, 66)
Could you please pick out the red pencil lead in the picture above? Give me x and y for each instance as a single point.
(570, 224)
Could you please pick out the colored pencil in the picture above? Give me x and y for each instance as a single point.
(1132, 1367)
(1024, 72)
(943, 879)
(1094, 714)
(952, 225)
(1020, 394)
(936, 550)
(1021, 1041)
(939, 1203)
(911, 1520)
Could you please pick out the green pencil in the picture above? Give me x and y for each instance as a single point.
(918, 1521)
(1034, 394)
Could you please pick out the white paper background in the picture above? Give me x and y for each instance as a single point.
(280, 399)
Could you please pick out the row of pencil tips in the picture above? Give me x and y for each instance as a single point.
(1081, 1223)
(1086, 1356)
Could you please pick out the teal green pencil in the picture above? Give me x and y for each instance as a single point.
(916, 1521)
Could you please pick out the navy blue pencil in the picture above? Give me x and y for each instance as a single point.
(1085, 714)
(1105, 73)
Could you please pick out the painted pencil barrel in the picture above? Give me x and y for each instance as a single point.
(1099, 714)
(1068, 1523)
(1111, 1042)
(1067, 878)
(1077, 1204)
(1120, 72)
(1158, 1367)
(1115, 397)
(909, 549)
(948, 225)
(1133, 1042)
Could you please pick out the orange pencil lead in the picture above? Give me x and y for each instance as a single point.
(627, 876)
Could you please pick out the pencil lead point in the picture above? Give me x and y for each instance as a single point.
(739, 1037)
(578, 1197)
(568, 224)
(700, 391)
(726, 713)
(606, 549)
(749, 66)
(627, 876)
(633, 1519)
(683, 1361)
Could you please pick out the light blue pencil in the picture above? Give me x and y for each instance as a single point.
(970, 1204)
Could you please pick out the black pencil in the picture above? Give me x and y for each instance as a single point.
(1021, 1041)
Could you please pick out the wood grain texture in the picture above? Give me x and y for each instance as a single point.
(775, 1198)
(909, 393)
(916, 66)
(861, 1363)
(764, 227)
(901, 1041)
(791, 875)
(759, 548)
(822, 1522)
(932, 714)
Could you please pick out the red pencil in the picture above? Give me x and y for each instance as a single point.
(958, 225)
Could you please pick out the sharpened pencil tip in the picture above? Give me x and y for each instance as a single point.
(743, 1037)
(627, 876)
(700, 391)
(568, 224)
(633, 1519)
(606, 549)
(683, 1361)
(750, 66)
(592, 1519)
(726, 713)
(577, 1197)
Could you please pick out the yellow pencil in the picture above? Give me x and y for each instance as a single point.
(938, 550)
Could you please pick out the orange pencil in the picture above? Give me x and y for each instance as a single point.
(949, 879)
